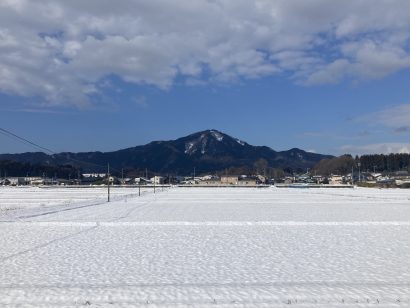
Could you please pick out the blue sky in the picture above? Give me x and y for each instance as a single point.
(321, 76)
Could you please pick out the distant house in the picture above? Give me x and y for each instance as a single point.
(177, 179)
(386, 180)
(367, 176)
(260, 179)
(402, 181)
(94, 175)
(212, 180)
(127, 181)
(188, 182)
(15, 181)
(34, 180)
(157, 180)
(401, 177)
(37, 181)
(91, 180)
(376, 176)
(229, 180)
(303, 178)
(208, 177)
(318, 179)
(142, 181)
(289, 180)
(335, 179)
(402, 173)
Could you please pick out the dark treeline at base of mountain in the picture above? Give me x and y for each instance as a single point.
(16, 169)
(372, 163)
(338, 165)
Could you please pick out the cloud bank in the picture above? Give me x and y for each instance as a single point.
(377, 148)
(395, 117)
(61, 51)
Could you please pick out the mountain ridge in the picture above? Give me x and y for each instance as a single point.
(209, 150)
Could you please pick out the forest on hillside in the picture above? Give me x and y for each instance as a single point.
(16, 169)
(381, 163)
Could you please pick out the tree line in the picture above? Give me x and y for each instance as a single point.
(382, 163)
(386, 163)
(338, 165)
(16, 169)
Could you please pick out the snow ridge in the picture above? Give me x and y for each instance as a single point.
(217, 135)
(240, 142)
(189, 148)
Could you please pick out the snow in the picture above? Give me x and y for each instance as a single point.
(192, 146)
(188, 148)
(217, 135)
(12, 198)
(219, 247)
(203, 146)
(240, 142)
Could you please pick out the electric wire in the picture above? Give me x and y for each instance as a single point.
(24, 140)
(37, 146)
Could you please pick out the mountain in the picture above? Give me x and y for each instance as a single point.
(207, 151)
(13, 168)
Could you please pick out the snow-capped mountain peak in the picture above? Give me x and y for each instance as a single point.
(217, 135)
(209, 142)
(208, 150)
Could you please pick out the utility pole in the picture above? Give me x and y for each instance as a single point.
(139, 188)
(122, 175)
(154, 182)
(359, 171)
(194, 175)
(108, 183)
(352, 177)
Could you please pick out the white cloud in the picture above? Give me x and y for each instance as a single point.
(59, 50)
(376, 148)
(396, 117)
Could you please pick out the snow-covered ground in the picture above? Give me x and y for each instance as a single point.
(227, 247)
(12, 198)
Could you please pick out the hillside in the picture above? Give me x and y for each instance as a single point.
(207, 151)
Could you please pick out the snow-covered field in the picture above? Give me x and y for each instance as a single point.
(203, 247)
(31, 197)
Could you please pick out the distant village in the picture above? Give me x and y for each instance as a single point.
(366, 179)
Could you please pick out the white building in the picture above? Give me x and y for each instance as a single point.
(335, 179)
(94, 175)
(158, 180)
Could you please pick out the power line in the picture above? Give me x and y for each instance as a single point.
(8, 136)
(33, 144)
(12, 135)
